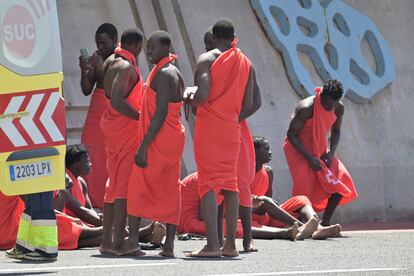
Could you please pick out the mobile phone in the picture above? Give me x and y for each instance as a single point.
(84, 54)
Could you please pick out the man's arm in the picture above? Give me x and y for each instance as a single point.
(256, 98)
(302, 114)
(88, 203)
(85, 214)
(269, 172)
(163, 83)
(88, 78)
(121, 90)
(335, 135)
(203, 79)
(59, 200)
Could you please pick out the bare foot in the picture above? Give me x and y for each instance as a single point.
(249, 246)
(205, 253)
(221, 242)
(105, 250)
(293, 231)
(325, 232)
(229, 250)
(158, 233)
(306, 230)
(128, 248)
(167, 253)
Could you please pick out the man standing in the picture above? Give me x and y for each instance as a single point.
(106, 38)
(315, 170)
(123, 87)
(154, 186)
(225, 90)
(246, 161)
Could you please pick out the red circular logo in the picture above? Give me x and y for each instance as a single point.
(18, 32)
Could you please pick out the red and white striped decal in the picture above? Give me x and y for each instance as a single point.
(31, 119)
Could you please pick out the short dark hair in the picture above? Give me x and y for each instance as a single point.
(223, 29)
(209, 30)
(132, 36)
(108, 29)
(162, 36)
(259, 141)
(74, 153)
(333, 89)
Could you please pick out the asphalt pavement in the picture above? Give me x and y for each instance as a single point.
(388, 252)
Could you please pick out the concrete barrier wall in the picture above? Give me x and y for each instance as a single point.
(377, 143)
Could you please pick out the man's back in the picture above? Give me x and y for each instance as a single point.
(169, 74)
(116, 69)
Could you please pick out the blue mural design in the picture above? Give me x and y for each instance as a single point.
(330, 32)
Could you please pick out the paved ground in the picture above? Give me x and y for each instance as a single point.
(358, 253)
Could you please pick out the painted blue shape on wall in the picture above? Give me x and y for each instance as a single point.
(330, 32)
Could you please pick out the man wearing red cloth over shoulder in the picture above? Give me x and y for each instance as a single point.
(123, 86)
(225, 91)
(315, 170)
(154, 185)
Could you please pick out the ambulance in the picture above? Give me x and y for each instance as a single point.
(32, 111)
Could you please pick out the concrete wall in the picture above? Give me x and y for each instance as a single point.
(377, 143)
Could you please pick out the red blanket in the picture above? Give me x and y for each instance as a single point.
(121, 139)
(318, 186)
(11, 209)
(246, 165)
(93, 138)
(217, 130)
(155, 190)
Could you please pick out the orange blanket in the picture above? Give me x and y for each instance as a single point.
(246, 165)
(217, 129)
(69, 230)
(93, 138)
(121, 139)
(318, 186)
(76, 191)
(11, 209)
(155, 190)
(190, 201)
(260, 186)
(260, 183)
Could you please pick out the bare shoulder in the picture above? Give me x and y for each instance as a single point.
(208, 57)
(167, 74)
(82, 181)
(340, 109)
(268, 169)
(304, 109)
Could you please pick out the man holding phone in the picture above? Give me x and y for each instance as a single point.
(106, 38)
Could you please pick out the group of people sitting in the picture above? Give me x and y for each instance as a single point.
(144, 140)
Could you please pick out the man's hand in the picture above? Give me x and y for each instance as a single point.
(314, 163)
(68, 183)
(141, 156)
(96, 61)
(189, 94)
(327, 157)
(256, 202)
(84, 64)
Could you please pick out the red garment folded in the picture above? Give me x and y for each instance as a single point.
(318, 186)
(11, 209)
(93, 138)
(217, 129)
(190, 202)
(291, 205)
(246, 165)
(76, 191)
(155, 190)
(260, 183)
(69, 230)
(121, 139)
